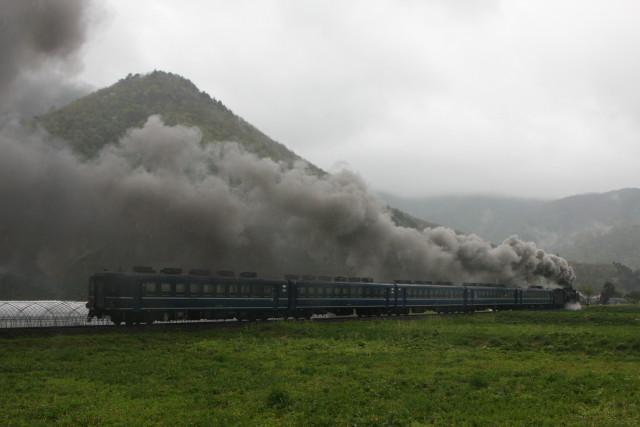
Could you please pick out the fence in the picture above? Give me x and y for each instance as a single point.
(40, 314)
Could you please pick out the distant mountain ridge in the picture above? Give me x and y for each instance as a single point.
(104, 116)
(593, 227)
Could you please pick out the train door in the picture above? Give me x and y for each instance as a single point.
(98, 289)
(274, 295)
(403, 296)
(394, 292)
(293, 290)
(137, 294)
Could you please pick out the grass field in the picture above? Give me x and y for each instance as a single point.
(507, 368)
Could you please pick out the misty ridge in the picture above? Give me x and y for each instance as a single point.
(159, 195)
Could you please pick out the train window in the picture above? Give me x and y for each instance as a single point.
(233, 289)
(313, 291)
(259, 291)
(149, 288)
(195, 288)
(165, 288)
(245, 290)
(181, 288)
(302, 291)
(219, 289)
(208, 288)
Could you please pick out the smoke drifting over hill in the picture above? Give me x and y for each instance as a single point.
(161, 197)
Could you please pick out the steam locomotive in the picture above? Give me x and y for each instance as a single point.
(146, 296)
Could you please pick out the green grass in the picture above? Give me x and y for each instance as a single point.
(509, 368)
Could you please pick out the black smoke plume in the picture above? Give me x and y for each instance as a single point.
(39, 43)
(161, 197)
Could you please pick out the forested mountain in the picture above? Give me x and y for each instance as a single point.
(105, 115)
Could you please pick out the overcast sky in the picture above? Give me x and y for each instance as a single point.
(527, 98)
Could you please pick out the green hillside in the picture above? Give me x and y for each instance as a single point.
(104, 116)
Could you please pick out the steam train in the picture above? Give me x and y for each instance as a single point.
(146, 296)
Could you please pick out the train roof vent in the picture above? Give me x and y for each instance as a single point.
(142, 269)
(324, 278)
(403, 281)
(171, 270)
(422, 282)
(444, 283)
(226, 273)
(292, 277)
(249, 274)
(367, 279)
(535, 287)
(339, 279)
(308, 277)
(200, 272)
(354, 279)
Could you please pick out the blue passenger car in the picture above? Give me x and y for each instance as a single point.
(146, 296)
